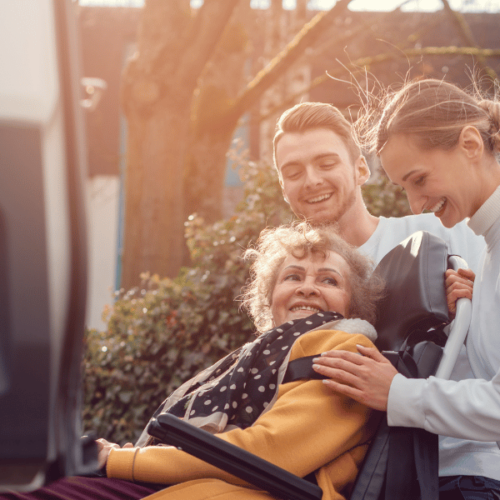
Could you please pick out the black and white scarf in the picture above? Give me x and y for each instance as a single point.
(240, 387)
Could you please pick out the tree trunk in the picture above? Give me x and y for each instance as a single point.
(174, 46)
(210, 137)
(154, 193)
(178, 51)
(205, 185)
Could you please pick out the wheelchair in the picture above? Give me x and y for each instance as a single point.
(415, 334)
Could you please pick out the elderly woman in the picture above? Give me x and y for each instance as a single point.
(305, 282)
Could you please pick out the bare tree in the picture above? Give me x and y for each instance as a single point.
(175, 147)
(157, 89)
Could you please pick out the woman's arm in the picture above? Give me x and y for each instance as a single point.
(468, 409)
(305, 429)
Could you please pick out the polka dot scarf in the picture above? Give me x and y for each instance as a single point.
(236, 390)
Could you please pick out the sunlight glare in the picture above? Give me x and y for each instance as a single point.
(490, 6)
(259, 4)
(409, 5)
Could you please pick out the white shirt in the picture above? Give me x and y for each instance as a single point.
(456, 456)
(467, 408)
(392, 231)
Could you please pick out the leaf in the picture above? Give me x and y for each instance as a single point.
(126, 397)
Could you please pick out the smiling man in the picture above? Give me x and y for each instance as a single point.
(321, 171)
(321, 178)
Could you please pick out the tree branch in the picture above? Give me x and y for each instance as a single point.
(204, 33)
(469, 39)
(341, 40)
(380, 58)
(265, 78)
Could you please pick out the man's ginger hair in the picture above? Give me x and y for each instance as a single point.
(315, 115)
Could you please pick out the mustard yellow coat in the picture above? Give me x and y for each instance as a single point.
(308, 429)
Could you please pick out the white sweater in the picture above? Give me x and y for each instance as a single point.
(456, 456)
(466, 408)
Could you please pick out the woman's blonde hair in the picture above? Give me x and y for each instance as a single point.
(433, 112)
(302, 240)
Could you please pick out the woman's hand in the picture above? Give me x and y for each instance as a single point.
(458, 284)
(103, 449)
(365, 378)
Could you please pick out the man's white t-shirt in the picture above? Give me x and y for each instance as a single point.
(460, 239)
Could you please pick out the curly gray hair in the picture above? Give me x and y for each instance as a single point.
(301, 240)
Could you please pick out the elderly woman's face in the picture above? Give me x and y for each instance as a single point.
(310, 285)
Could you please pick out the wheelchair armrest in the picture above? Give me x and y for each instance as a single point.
(232, 459)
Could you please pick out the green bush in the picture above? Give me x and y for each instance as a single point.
(384, 198)
(160, 334)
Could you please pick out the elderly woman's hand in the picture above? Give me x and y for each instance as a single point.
(103, 449)
(366, 379)
(458, 284)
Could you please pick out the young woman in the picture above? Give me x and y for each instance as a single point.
(440, 145)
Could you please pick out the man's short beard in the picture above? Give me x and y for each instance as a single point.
(331, 225)
(336, 223)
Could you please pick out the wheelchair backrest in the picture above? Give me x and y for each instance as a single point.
(416, 298)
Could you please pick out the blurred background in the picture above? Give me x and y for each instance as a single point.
(181, 99)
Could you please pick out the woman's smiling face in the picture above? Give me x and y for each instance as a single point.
(436, 180)
(310, 285)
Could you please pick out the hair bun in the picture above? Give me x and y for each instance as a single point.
(493, 110)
